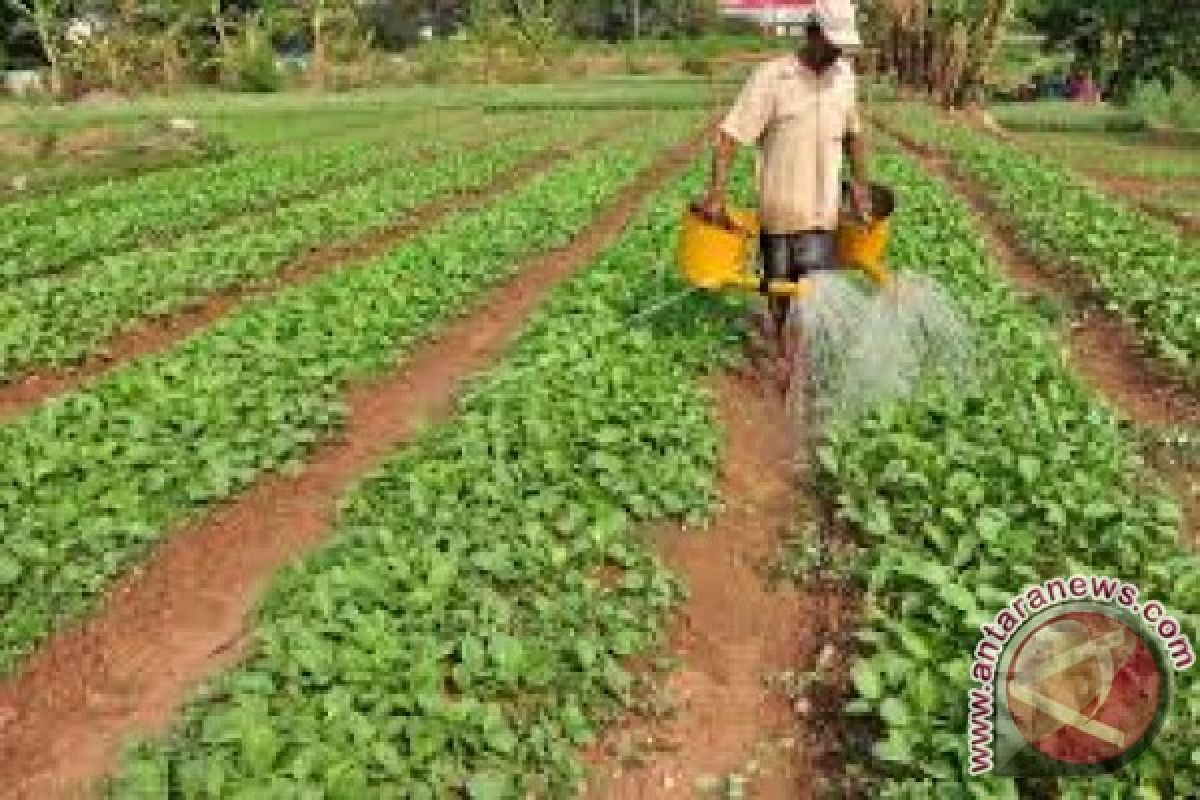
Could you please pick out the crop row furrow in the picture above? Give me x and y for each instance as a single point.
(968, 494)
(1142, 266)
(91, 479)
(457, 638)
(53, 321)
(49, 234)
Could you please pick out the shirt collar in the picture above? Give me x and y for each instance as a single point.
(798, 69)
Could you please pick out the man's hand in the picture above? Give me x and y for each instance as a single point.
(860, 198)
(713, 204)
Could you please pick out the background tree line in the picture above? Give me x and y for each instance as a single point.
(947, 47)
(167, 41)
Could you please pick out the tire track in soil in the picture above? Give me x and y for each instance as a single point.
(738, 629)
(185, 613)
(1104, 349)
(154, 336)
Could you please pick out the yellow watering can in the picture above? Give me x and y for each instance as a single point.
(716, 255)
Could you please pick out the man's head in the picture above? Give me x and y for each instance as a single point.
(830, 30)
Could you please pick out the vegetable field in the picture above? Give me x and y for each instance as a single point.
(346, 463)
(1143, 267)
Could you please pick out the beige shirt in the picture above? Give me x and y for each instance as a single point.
(798, 119)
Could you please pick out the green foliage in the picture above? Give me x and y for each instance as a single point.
(1137, 40)
(966, 495)
(258, 72)
(94, 478)
(61, 320)
(456, 638)
(1144, 267)
(1176, 102)
(1065, 117)
(49, 233)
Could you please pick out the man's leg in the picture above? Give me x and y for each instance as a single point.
(775, 255)
(809, 252)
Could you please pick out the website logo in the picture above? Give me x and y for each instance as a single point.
(1073, 677)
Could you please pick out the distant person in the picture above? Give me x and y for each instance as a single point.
(801, 112)
(1073, 85)
(1055, 88)
(1086, 90)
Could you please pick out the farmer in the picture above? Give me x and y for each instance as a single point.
(800, 111)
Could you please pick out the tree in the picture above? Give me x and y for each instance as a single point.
(48, 19)
(1134, 40)
(538, 24)
(986, 43)
(323, 20)
(944, 47)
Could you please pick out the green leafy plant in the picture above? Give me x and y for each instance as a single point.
(1142, 266)
(48, 233)
(454, 639)
(57, 320)
(964, 496)
(159, 439)
(1177, 104)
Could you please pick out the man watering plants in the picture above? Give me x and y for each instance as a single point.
(800, 111)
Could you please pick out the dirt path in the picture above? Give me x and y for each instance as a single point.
(727, 717)
(185, 613)
(156, 335)
(1103, 349)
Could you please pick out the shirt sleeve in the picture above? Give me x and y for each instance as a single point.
(854, 122)
(751, 112)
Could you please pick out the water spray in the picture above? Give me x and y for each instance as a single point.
(855, 347)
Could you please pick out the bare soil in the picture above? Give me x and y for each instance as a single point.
(186, 613)
(724, 712)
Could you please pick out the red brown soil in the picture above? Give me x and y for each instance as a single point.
(156, 335)
(737, 630)
(1104, 349)
(1142, 191)
(185, 613)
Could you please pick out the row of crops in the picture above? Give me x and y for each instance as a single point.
(92, 478)
(965, 497)
(57, 320)
(460, 635)
(132, 149)
(48, 233)
(467, 630)
(1141, 265)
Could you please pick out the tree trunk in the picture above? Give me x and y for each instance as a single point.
(225, 52)
(928, 55)
(318, 67)
(42, 23)
(984, 47)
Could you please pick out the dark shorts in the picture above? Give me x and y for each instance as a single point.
(791, 256)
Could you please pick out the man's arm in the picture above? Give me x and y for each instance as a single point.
(724, 146)
(743, 125)
(855, 146)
